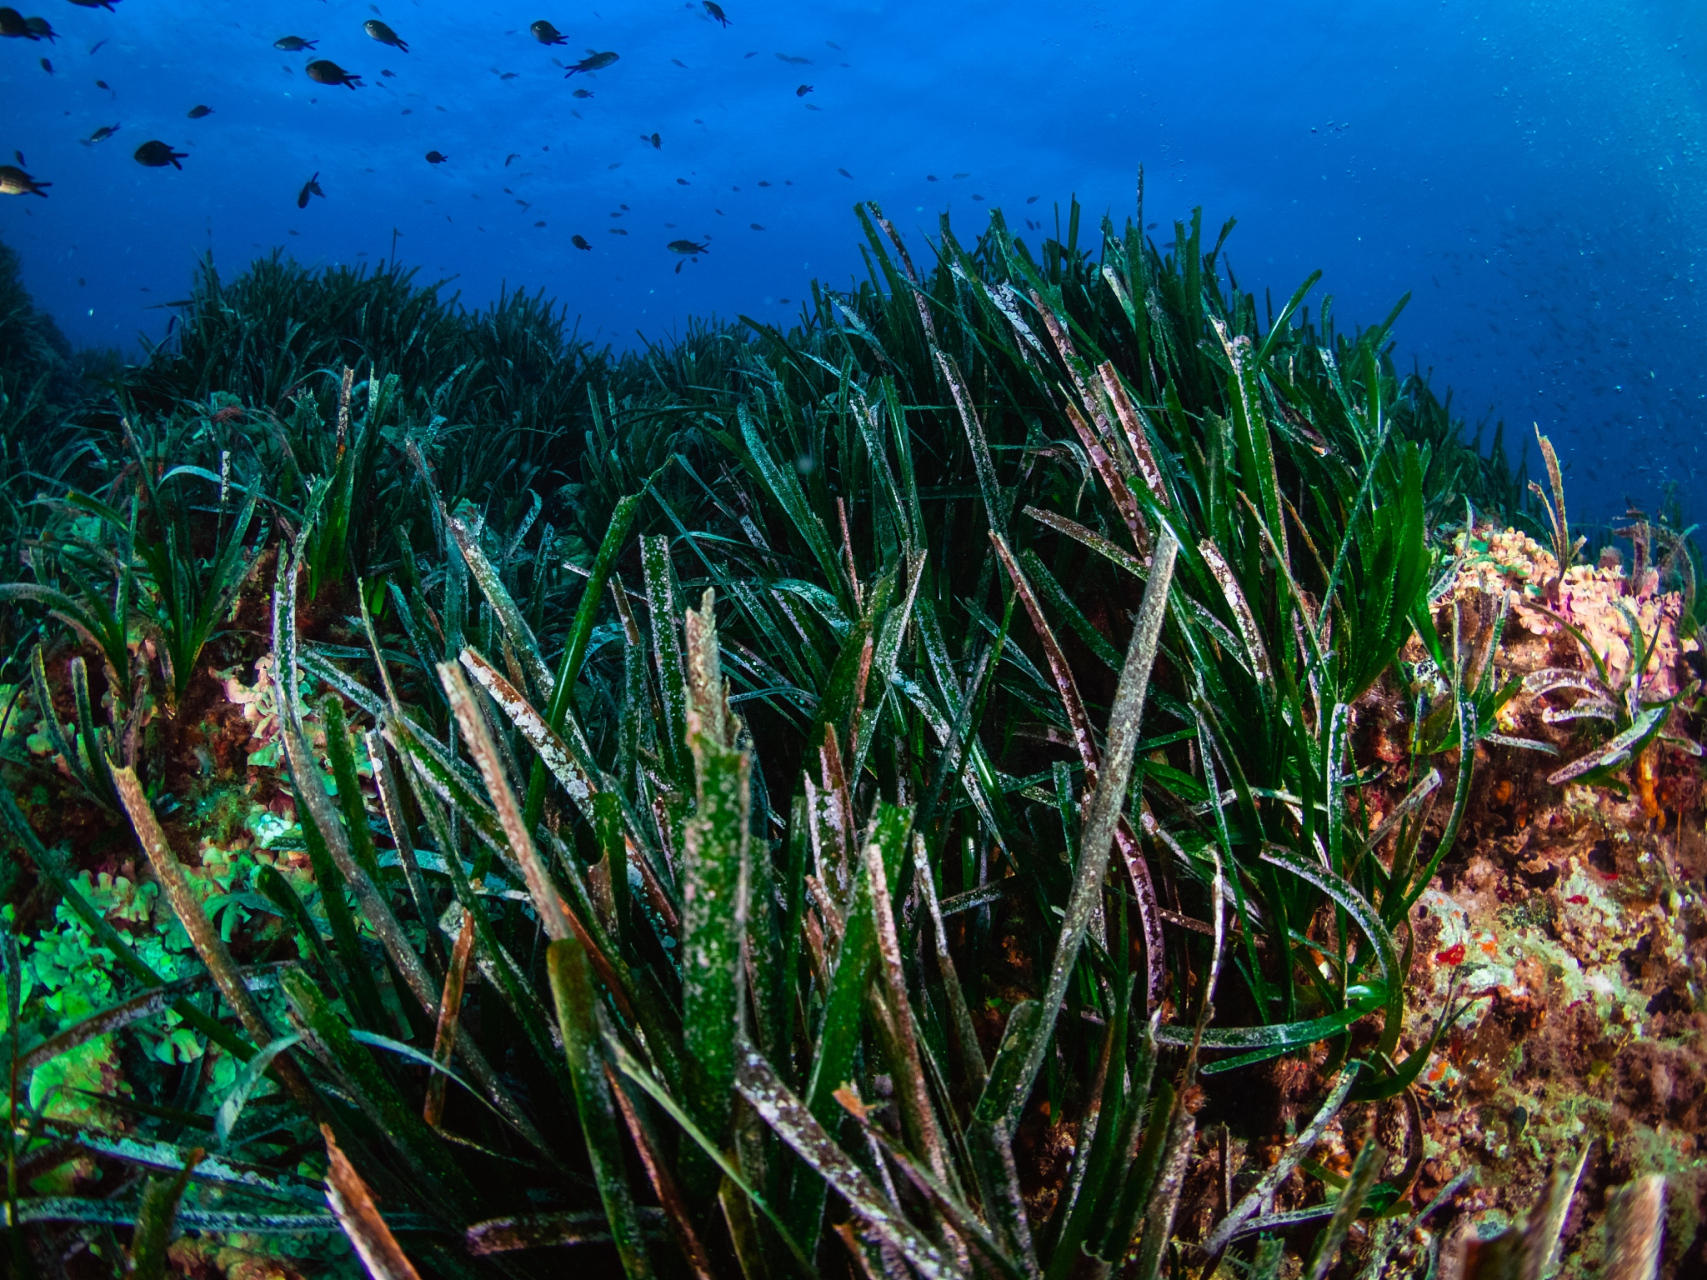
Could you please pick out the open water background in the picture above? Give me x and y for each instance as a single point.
(1532, 172)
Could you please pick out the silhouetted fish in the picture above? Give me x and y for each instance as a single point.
(15, 182)
(582, 93)
(845, 173)
(514, 155)
(755, 226)
(294, 44)
(309, 188)
(198, 111)
(12, 25)
(579, 243)
(384, 34)
(41, 29)
(803, 90)
(95, 4)
(687, 247)
(545, 33)
(656, 141)
(101, 135)
(594, 61)
(325, 71)
(47, 66)
(436, 157)
(716, 12)
(157, 155)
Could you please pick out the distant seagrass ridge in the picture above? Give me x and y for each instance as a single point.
(1050, 763)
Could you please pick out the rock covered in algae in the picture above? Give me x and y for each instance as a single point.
(1565, 941)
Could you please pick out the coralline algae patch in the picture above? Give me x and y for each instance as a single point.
(1600, 601)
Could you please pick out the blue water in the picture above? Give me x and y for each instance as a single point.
(1533, 173)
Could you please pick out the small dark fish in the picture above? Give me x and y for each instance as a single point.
(764, 184)
(509, 75)
(678, 62)
(101, 135)
(15, 182)
(95, 4)
(102, 84)
(198, 111)
(294, 44)
(157, 155)
(1031, 199)
(19, 157)
(514, 155)
(799, 62)
(755, 226)
(962, 175)
(95, 46)
(545, 33)
(654, 139)
(845, 174)
(539, 224)
(436, 157)
(715, 12)
(753, 54)
(594, 61)
(930, 177)
(582, 93)
(13, 25)
(389, 75)
(580, 243)
(41, 29)
(813, 106)
(687, 247)
(803, 90)
(617, 231)
(384, 34)
(309, 188)
(325, 71)
(47, 66)
(683, 182)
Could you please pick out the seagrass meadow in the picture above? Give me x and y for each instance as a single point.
(1028, 772)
